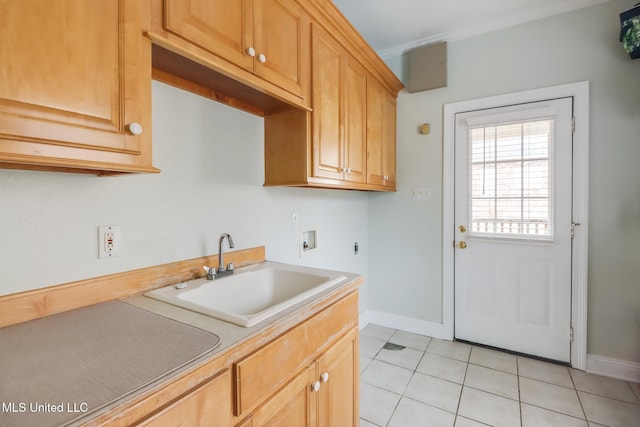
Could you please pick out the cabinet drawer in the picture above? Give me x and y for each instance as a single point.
(208, 405)
(264, 371)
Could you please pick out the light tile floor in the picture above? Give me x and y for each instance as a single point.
(436, 383)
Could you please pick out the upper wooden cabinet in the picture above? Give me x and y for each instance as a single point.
(75, 92)
(222, 27)
(348, 140)
(262, 43)
(381, 135)
(281, 39)
(338, 118)
(303, 67)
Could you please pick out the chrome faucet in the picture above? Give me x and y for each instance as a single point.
(222, 270)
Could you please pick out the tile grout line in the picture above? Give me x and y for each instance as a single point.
(519, 391)
(575, 388)
(464, 379)
(395, 408)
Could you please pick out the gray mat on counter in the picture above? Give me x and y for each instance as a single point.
(82, 360)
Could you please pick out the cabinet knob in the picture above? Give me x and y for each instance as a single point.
(315, 386)
(262, 58)
(135, 128)
(325, 377)
(251, 52)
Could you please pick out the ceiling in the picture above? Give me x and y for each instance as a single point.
(394, 26)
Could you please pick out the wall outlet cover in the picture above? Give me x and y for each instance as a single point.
(109, 241)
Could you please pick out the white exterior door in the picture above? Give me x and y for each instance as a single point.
(513, 219)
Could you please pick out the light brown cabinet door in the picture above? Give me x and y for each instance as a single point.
(221, 27)
(327, 129)
(75, 76)
(355, 122)
(293, 405)
(269, 38)
(281, 36)
(338, 403)
(389, 140)
(324, 394)
(381, 135)
(339, 111)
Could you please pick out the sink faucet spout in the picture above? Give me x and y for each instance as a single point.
(221, 266)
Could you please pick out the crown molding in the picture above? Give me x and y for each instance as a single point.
(489, 26)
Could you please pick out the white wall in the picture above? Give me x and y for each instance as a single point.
(212, 161)
(405, 273)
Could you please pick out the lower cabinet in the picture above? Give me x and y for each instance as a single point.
(293, 405)
(338, 396)
(209, 404)
(307, 376)
(323, 394)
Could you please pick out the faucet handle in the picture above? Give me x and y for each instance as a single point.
(230, 266)
(211, 273)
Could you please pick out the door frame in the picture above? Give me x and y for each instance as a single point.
(580, 204)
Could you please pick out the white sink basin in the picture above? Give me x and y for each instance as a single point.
(252, 294)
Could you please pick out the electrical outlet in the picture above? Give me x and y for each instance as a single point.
(421, 193)
(109, 241)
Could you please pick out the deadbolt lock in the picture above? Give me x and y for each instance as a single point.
(462, 228)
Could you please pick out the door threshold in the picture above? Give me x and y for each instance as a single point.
(516, 353)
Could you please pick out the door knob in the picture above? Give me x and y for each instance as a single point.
(315, 386)
(462, 228)
(324, 377)
(462, 245)
(251, 52)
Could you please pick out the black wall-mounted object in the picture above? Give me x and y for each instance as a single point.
(630, 31)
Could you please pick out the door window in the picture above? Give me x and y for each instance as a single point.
(511, 194)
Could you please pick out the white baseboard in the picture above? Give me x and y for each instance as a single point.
(403, 323)
(614, 368)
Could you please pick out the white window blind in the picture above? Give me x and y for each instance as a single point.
(511, 179)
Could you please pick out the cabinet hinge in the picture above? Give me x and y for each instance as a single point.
(571, 334)
(573, 124)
